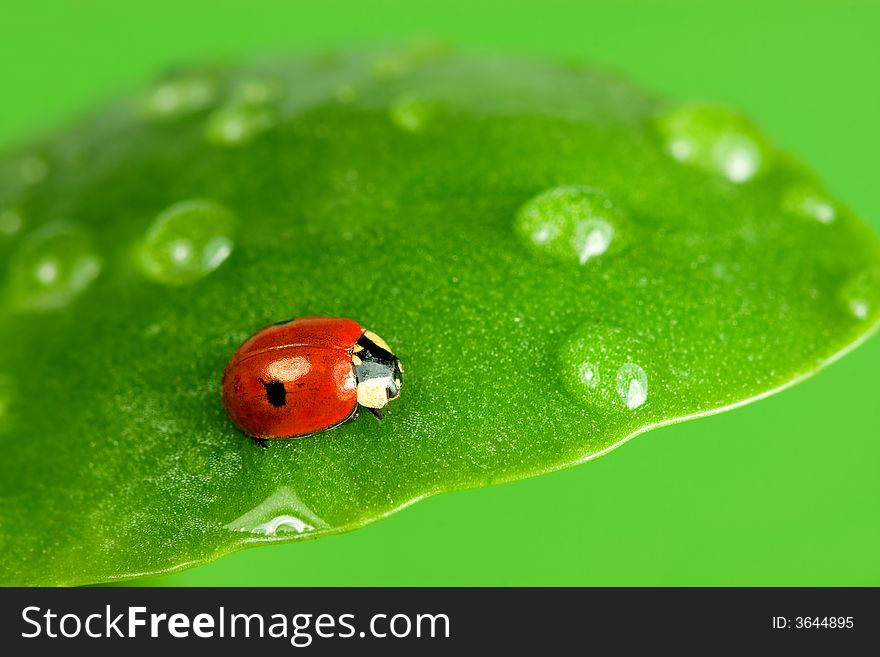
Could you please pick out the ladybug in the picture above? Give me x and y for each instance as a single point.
(306, 375)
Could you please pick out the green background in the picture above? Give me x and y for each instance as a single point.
(680, 505)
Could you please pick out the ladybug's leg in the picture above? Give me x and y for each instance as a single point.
(375, 411)
(259, 442)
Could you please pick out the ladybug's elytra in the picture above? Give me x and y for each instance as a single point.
(305, 375)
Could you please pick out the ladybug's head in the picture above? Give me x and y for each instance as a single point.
(378, 371)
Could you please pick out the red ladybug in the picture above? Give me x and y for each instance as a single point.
(305, 375)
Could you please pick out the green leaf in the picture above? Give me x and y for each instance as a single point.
(561, 261)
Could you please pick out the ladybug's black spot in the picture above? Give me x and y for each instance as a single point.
(275, 393)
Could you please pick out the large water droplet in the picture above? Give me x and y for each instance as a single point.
(573, 222)
(52, 267)
(180, 96)
(283, 512)
(411, 114)
(714, 139)
(860, 295)
(599, 365)
(632, 385)
(187, 242)
(804, 201)
(10, 222)
(237, 124)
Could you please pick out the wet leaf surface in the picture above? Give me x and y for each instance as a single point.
(560, 260)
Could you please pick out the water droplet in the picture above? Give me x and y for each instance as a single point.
(180, 96)
(52, 267)
(575, 223)
(237, 124)
(859, 308)
(589, 375)
(284, 522)
(599, 366)
(714, 139)
(33, 169)
(806, 202)
(283, 512)
(632, 385)
(10, 222)
(187, 242)
(411, 114)
(860, 295)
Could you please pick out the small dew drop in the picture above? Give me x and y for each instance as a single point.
(809, 203)
(737, 156)
(280, 513)
(52, 267)
(859, 308)
(632, 385)
(680, 149)
(714, 139)
(187, 242)
(180, 96)
(234, 125)
(282, 522)
(860, 295)
(574, 223)
(599, 367)
(589, 375)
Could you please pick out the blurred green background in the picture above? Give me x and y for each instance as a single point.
(677, 506)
